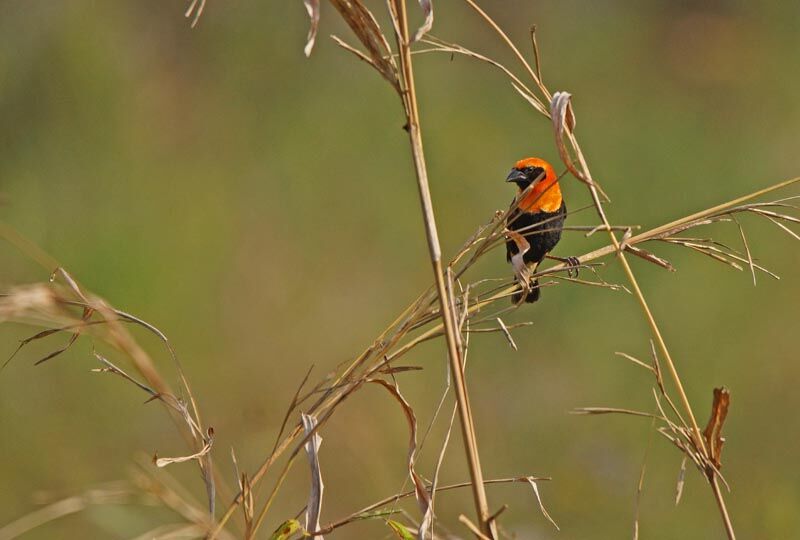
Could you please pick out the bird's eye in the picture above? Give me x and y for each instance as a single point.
(529, 170)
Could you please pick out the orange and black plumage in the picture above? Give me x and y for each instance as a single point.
(539, 216)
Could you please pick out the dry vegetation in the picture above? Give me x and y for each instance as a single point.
(457, 305)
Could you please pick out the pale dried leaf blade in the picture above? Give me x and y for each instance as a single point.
(681, 480)
(312, 7)
(535, 487)
(507, 334)
(427, 10)
(314, 505)
(163, 462)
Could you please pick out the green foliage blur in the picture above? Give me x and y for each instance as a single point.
(260, 208)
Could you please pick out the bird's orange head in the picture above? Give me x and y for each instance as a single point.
(545, 195)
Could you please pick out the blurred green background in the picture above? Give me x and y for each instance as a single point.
(260, 208)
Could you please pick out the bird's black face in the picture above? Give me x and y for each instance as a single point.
(525, 177)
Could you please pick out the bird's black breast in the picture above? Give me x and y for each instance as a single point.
(542, 230)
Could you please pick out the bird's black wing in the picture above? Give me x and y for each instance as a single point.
(542, 230)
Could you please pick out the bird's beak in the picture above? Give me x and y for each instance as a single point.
(516, 176)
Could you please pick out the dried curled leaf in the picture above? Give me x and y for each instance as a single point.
(544, 511)
(312, 7)
(521, 270)
(681, 480)
(713, 431)
(208, 443)
(427, 10)
(314, 505)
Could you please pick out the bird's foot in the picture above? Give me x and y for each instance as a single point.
(573, 265)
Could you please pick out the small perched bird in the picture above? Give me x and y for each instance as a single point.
(539, 217)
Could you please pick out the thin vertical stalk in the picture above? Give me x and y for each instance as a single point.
(695, 429)
(726, 519)
(697, 437)
(462, 397)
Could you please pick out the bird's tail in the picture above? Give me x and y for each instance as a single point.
(530, 297)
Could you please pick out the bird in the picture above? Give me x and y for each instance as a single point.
(538, 218)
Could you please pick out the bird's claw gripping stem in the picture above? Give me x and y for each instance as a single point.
(573, 265)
